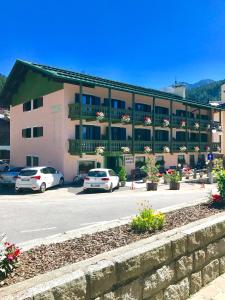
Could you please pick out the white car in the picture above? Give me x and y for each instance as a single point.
(38, 179)
(104, 179)
(3, 166)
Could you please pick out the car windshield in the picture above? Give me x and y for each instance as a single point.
(97, 174)
(28, 172)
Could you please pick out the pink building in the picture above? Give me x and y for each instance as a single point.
(55, 121)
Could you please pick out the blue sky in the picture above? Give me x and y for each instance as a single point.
(143, 42)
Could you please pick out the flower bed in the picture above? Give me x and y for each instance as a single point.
(50, 257)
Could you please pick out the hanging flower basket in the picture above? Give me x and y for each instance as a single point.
(166, 149)
(196, 125)
(207, 148)
(125, 119)
(100, 116)
(208, 126)
(125, 149)
(219, 128)
(183, 124)
(147, 149)
(196, 148)
(147, 121)
(218, 149)
(100, 150)
(183, 149)
(166, 123)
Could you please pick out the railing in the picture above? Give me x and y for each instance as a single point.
(89, 113)
(89, 146)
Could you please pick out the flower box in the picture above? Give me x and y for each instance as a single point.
(183, 149)
(147, 121)
(147, 149)
(166, 149)
(166, 123)
(100, 150)
(100, 116)
(125, 119)
(196, 148)
(125, 149)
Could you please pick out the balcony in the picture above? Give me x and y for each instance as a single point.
(89, 114)
(89, 146)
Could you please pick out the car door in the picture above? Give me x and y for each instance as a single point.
(45, 177)
(52, 176)
(113, 178)
(56, 175)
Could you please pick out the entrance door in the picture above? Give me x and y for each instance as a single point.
(114, 162)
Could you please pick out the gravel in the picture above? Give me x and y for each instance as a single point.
(46, 258)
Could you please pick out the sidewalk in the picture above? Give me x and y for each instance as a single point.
(215, 290)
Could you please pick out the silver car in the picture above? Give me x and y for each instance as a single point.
(9, 177)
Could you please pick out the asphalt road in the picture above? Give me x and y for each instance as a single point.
(32, 215)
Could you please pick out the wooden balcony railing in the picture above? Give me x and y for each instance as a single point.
(89, 146)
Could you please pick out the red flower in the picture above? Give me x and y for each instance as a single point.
(10, 257)
(216, 198)
(16, 253)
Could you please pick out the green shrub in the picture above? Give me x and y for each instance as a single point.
(220, 179)
(151, 170)
(148, 220)
(122, 174)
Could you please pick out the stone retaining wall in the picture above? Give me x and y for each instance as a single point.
(173, 267)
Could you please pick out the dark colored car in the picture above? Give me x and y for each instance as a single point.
(9, 177)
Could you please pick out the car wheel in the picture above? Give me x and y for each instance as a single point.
(17, 191)
(111, 188)
(43, 187)
(61, 182)
(118, 186)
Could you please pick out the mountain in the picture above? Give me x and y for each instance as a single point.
(2, 81)
(204, 91)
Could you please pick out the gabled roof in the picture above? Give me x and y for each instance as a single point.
(64, 76)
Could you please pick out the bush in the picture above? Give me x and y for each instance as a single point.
(122, 174)
(148, 220)
(151, 170)
(172, 176)
(220, 179)
(9, 254)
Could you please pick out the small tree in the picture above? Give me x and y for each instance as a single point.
(122, 174)
(151, 170)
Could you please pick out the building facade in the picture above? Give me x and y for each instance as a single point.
(4, 135)
(75, 122)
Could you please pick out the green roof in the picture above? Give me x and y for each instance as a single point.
(21, 68)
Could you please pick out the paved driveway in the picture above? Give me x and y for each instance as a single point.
(33, 215)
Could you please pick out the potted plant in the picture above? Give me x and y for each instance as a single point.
(152, 172)
(174, 178)
(122, 176)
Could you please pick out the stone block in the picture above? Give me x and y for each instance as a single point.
(100, 277)
(184, 266)
(221, 247)
(155, 255)
(158, 296)
(200, 236)
(210, 272)
(177, 291)
(158, 281)
(128, 265)
(179, 245)
(71, 286)
(222, 265)
(212, 251)
(199, 259)
(131, 291)
(196, 282)
(44, 296)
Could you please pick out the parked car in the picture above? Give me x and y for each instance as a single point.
(104, 179)
(4, 166)
(9, 177)
(38, 179)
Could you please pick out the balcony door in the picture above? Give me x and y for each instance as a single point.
(161, 135)
(142, 134)
(89, 132)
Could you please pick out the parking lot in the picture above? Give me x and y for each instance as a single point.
(29, 216)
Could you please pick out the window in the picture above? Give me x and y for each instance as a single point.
(97, 174)
(117, 133)
(142, 134)
(27, 106)
(181, 113)
(51, 170)
(180, 136)
(37, 131)
(32, 161)
(162, 135)
(142, 107)
(89, 132)
(181, 159)
(115, 103)
(85, 166)
(88, 99)
(161, 110)
(112, 173)
(204, 137)
(28, 172)
(26, 133)
(194, 137)
(38, 102)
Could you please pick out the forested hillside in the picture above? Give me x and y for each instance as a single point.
(205, 93)
(2, 81)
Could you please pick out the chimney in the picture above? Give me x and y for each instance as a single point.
(179, 89)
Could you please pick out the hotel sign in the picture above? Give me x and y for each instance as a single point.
(128, 159)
